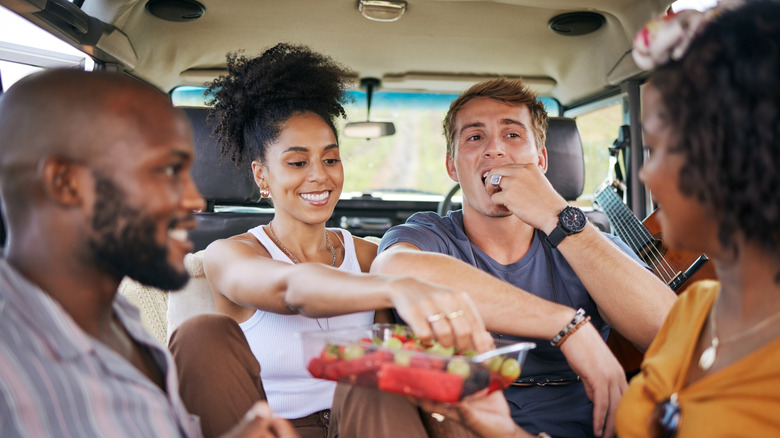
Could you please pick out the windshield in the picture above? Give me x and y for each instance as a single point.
(410, 162)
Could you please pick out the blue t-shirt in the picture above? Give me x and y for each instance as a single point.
(561, 411)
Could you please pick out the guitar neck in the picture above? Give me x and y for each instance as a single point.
(625, 224)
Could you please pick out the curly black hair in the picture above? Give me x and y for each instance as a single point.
(724, 102)
(258, 95)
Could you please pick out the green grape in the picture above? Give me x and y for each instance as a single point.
(393, 343)
(441, 350)
(494, 363)
(403, 357)
(459, 366)
(510, 369)
(353, 352)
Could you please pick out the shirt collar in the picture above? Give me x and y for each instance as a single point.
(54, 325)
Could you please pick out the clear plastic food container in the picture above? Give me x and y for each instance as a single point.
(390, 358)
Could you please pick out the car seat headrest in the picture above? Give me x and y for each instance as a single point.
(219, 181)
(566, 165)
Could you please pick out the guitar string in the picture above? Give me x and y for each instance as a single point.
(637, 245)
(633, 236)
(661, 265)
(657, 258)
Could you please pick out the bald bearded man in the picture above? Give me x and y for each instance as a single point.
(95, 185)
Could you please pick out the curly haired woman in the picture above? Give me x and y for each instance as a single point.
(278, 112)
(711, 123)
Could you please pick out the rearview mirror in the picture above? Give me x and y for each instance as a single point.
(369, 129)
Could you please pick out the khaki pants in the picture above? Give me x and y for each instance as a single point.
(219, 377)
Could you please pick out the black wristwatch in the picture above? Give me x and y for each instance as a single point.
(571, 220)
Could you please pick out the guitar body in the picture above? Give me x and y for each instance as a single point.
(628, 355)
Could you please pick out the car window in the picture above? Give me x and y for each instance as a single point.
(408, 164)
(599, 125)
(25, 49)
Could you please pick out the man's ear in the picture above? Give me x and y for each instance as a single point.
(542, 163)
(451, 171)
(62, 180)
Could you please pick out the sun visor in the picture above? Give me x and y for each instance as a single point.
(88, 34)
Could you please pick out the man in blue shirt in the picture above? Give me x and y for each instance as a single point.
(529, 262)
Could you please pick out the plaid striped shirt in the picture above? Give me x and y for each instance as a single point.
(57, 381)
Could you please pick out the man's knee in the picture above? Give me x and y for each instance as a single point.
(212, 338)
(206, 327)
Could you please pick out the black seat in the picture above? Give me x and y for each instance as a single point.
(233, 203)
(566, 165)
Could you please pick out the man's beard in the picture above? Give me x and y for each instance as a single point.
(124, 242)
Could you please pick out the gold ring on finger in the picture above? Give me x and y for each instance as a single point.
(435, 317)
(455, 314)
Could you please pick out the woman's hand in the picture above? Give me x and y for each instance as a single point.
(437, 311)
(259, 422)
(485, 415)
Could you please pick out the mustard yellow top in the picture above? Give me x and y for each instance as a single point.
(742, 399)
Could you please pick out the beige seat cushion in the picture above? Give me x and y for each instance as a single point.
(374, 239)
(162, 311)
(195, 298)
(153, 305)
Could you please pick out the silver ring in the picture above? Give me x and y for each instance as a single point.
(455, 314)
(435, 317)
(495, 180)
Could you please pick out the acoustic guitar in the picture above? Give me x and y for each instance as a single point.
(676, 268)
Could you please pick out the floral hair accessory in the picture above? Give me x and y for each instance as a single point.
(667, 37)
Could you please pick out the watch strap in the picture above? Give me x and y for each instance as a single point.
(557, 236)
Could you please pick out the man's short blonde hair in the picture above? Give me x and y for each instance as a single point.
(511, 92)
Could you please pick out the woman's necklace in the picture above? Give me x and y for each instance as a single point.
(291, 255)
(708, 356)
(296, 261)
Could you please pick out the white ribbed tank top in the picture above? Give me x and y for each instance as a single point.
(292, 392)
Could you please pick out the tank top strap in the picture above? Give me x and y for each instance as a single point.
(350, 263)
(270, 246)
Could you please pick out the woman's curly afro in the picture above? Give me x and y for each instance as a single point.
(724, 102)
(258, 95)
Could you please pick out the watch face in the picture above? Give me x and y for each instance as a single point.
(573, 219)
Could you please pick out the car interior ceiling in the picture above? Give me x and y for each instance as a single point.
(541, 37)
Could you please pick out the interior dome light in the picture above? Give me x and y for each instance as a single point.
(382, 10)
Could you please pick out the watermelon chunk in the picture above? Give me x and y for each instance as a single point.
(347, 370)
(323, 369)
(370, 361)
(430, 384)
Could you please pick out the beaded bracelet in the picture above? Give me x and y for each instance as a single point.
(574, 329)
(578, 321)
